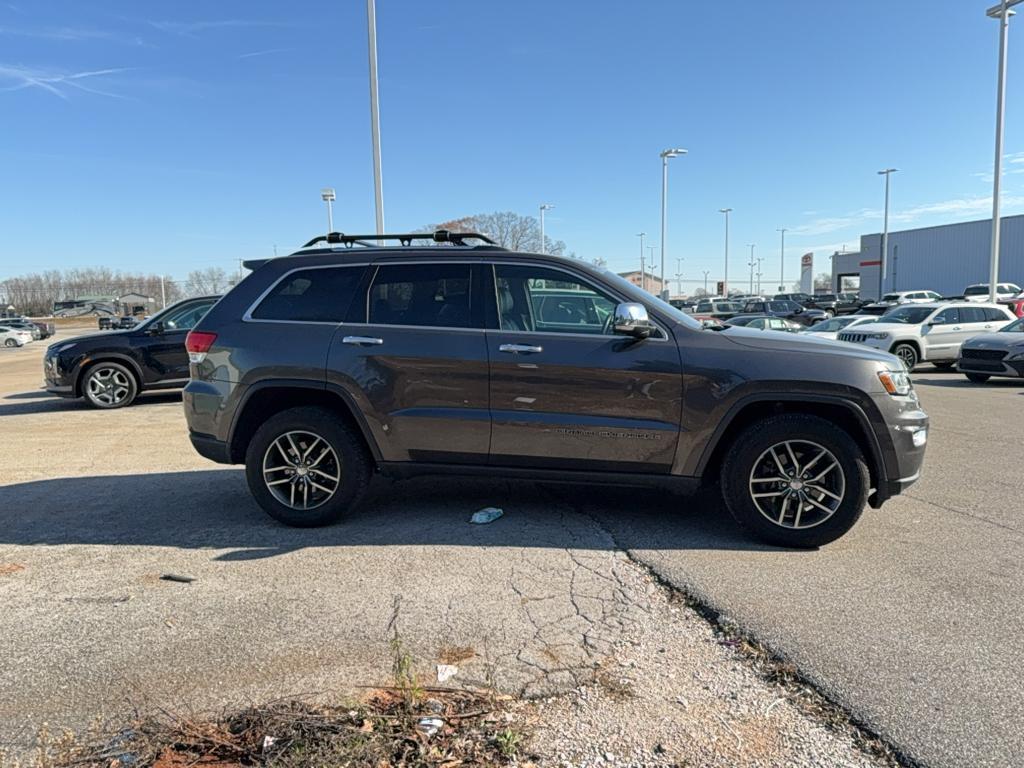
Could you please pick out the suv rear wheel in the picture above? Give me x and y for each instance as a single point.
(795, 481)
(109, 385)
(305, 467)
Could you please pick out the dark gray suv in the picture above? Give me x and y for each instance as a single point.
(349, 358)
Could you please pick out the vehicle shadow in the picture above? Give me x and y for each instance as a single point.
(212, 509)
(43, 402)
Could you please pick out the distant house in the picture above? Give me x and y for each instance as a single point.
(135, 304)
(647, 281)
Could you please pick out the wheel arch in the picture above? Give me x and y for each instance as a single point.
(263, 400)
(843, 412)
(918, 347)
(107, 357)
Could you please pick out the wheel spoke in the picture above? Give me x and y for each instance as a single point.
(268, 470)
(820, 506)
(305, 495)
(785, 508)
(292, 495)
(279, 482)
(295, 448)
(319, 487)
(773, 494)
(319, 458)
(812, 462)
(769, 480)
(799, 511)
(310, 448)
(792, 457)
(829, 468)
(335, 478)
(819, 489)
(281, 449)
(778, 462)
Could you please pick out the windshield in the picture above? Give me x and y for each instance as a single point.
(907, 315)
(1017, 326)
(636, 294)
(891, 297)
(164, 313)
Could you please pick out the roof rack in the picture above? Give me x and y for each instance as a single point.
(440, 236)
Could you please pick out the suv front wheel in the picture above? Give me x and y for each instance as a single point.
(795, 481)
(305, 467)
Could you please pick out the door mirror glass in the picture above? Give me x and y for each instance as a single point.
(631, 319)
(156, 329)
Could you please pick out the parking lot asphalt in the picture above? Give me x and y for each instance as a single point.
(910, 621)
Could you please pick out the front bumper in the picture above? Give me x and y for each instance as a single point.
(903, 458)
(1013, 369)
(56, 380)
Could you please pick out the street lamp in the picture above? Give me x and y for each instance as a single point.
(725, 279)
(1003, 13)
(782, 260)
(327, 195)
(650, 258)
(543, 207)
(378, 193)
(643, 275)
(885, 232)
(665, 157)
(679, 276)
(751, 265)
(706, 273)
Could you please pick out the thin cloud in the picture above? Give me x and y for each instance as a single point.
(56, 83)
(193, 28)
(268, 52)
(64, 34)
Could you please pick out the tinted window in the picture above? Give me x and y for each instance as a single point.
(185, 318)
(311, 295)
(422, 294)
(891, 297)
(533, 298)
(973, 315)
(778, 306)
(994, 314)
(704, 306)
(951, 315)
(908, 315)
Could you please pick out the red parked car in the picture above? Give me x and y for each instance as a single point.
(1016, 305)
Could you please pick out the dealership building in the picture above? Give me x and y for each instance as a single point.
(945, 259)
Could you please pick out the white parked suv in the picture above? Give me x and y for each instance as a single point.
(979, 292)
(930, 332)
(896, 298)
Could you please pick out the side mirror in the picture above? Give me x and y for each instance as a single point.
(937, 321)
(799, 310)
(632, 320)
(156, 329)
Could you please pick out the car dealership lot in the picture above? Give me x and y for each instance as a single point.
(909, 620)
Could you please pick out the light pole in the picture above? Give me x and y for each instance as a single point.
(725, 278)
(706, 273)
(751, 265)
(679, 276)
(1003, 13)
(885, 232)
(378, 193)
(543, 207)
(327, 195)
(759, 274)
(650, 259)
(643, 275)
(782, 260)
(665, 157)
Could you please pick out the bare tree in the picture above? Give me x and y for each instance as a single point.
(508, 229)
(205, 282)
(823, 282)
(35, 294)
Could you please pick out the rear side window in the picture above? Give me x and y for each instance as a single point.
(991, 313)
(434, 295)
(973, 315)
(320, 295)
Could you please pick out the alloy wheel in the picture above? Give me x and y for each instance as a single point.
(108, 386)
(301, 470)
(797, 484)
(906, 353)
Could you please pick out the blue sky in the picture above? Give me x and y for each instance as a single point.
(173, 136)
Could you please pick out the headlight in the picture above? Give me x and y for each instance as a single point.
(896, 382)
(877, 335)
(1015, 356)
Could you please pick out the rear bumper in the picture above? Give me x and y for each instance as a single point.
(210, 447)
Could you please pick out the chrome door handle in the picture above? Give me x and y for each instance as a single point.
(520, 349)
(362, 341)
(956, 327)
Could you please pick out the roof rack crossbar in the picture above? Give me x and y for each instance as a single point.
(440, 236)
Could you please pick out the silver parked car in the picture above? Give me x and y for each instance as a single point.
(994, 354)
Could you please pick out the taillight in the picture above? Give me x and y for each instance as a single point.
(198, 343)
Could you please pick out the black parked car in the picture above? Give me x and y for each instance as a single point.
(110, 369)
(787, 309)
(323, 367)
(836, 303)
(803, 299)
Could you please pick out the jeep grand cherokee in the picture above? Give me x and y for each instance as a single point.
(348, 358)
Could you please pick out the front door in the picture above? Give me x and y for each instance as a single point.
(414, 359)
(565, 392)
(945, 333)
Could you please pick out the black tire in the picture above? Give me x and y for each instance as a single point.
(349, 457)
(945, 366)
(977, 378)
(908, 354)
(109, 385)
(746, 456)
(10, 343)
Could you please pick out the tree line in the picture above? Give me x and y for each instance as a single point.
(35, 293)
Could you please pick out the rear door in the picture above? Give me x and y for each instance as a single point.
(413, 358)
(163, 354)
(578, 397)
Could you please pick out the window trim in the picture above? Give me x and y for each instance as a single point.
(247, 315)
(665, 336)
